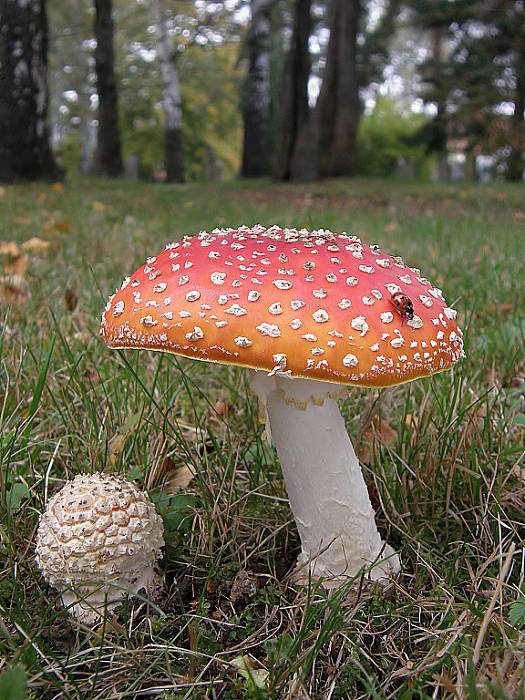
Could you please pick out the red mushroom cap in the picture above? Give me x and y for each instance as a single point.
(314, 304)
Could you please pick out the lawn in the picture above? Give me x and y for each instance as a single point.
(443, 459)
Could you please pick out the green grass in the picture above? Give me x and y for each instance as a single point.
(449, 489)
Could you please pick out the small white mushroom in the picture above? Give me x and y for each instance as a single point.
(98, 539)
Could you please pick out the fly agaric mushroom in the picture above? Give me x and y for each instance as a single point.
(98, 539)
(306, 311)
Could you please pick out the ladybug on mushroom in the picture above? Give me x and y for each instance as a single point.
(402, 303)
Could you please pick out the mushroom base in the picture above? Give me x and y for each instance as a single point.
(327, 492)
(89, 603)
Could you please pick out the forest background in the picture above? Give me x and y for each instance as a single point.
(295, 89)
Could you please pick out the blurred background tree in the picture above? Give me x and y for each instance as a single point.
(24, 137)
(299, 89)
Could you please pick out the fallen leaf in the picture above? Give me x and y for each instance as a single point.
(379, 429)
(14, 261)
(70, 298)
(36, 245)
(9, 248)
(180, 478)
(389, 228)
(58, 186)
(117, 442)
(244, 587)
(13, 289)
(2, 191)
(222, 408)
(99, 206)
(63, 225)
(41, 197)
(257, 677)
(174, 477)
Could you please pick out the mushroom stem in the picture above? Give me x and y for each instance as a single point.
(326, 488)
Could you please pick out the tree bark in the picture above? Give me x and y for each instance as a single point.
(171, 100)
(326, 147)
(108, 157)
(293, 104)
(256, 98)
(25, 152)
(339, 107)
(515, 163)
(440, 126)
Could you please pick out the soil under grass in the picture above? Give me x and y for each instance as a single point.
(444, 459)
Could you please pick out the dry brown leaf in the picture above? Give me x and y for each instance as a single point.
(13, 289)
(36, 245)
(9, 248)
(99, 206)
(70, 299)
(222, 408)
(58, 187)
(179, 478)
(117, 442)
(389, 228)
(14, 261)
(2, 191)
(379, 429)
(41, 197)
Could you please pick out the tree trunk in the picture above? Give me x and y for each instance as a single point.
(82, 86)
(24, 134)
(108, 157)
(293, 103)
(171, 101)
(339, 106)
(515, 163)
(256, 99)
(440, 132)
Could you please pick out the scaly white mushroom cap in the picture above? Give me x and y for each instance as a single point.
(98, 539)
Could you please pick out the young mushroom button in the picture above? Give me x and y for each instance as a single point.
(306, 311)
(98, 539)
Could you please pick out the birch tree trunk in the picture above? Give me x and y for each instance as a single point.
(516, 162)
(108, 157)
(82, 71)
(256, 98)
(293, 103)
(171, 100)
(25, 151)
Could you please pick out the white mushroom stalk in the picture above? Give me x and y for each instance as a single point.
(326, 488)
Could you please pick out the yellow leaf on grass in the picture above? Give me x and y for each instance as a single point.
(99, 206)
(36, 245)
(9, 248)
(14, 262)
(58, 187)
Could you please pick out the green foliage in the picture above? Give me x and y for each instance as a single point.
(384, 138)
(211, 129)
(13, 683)
(517, 611)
